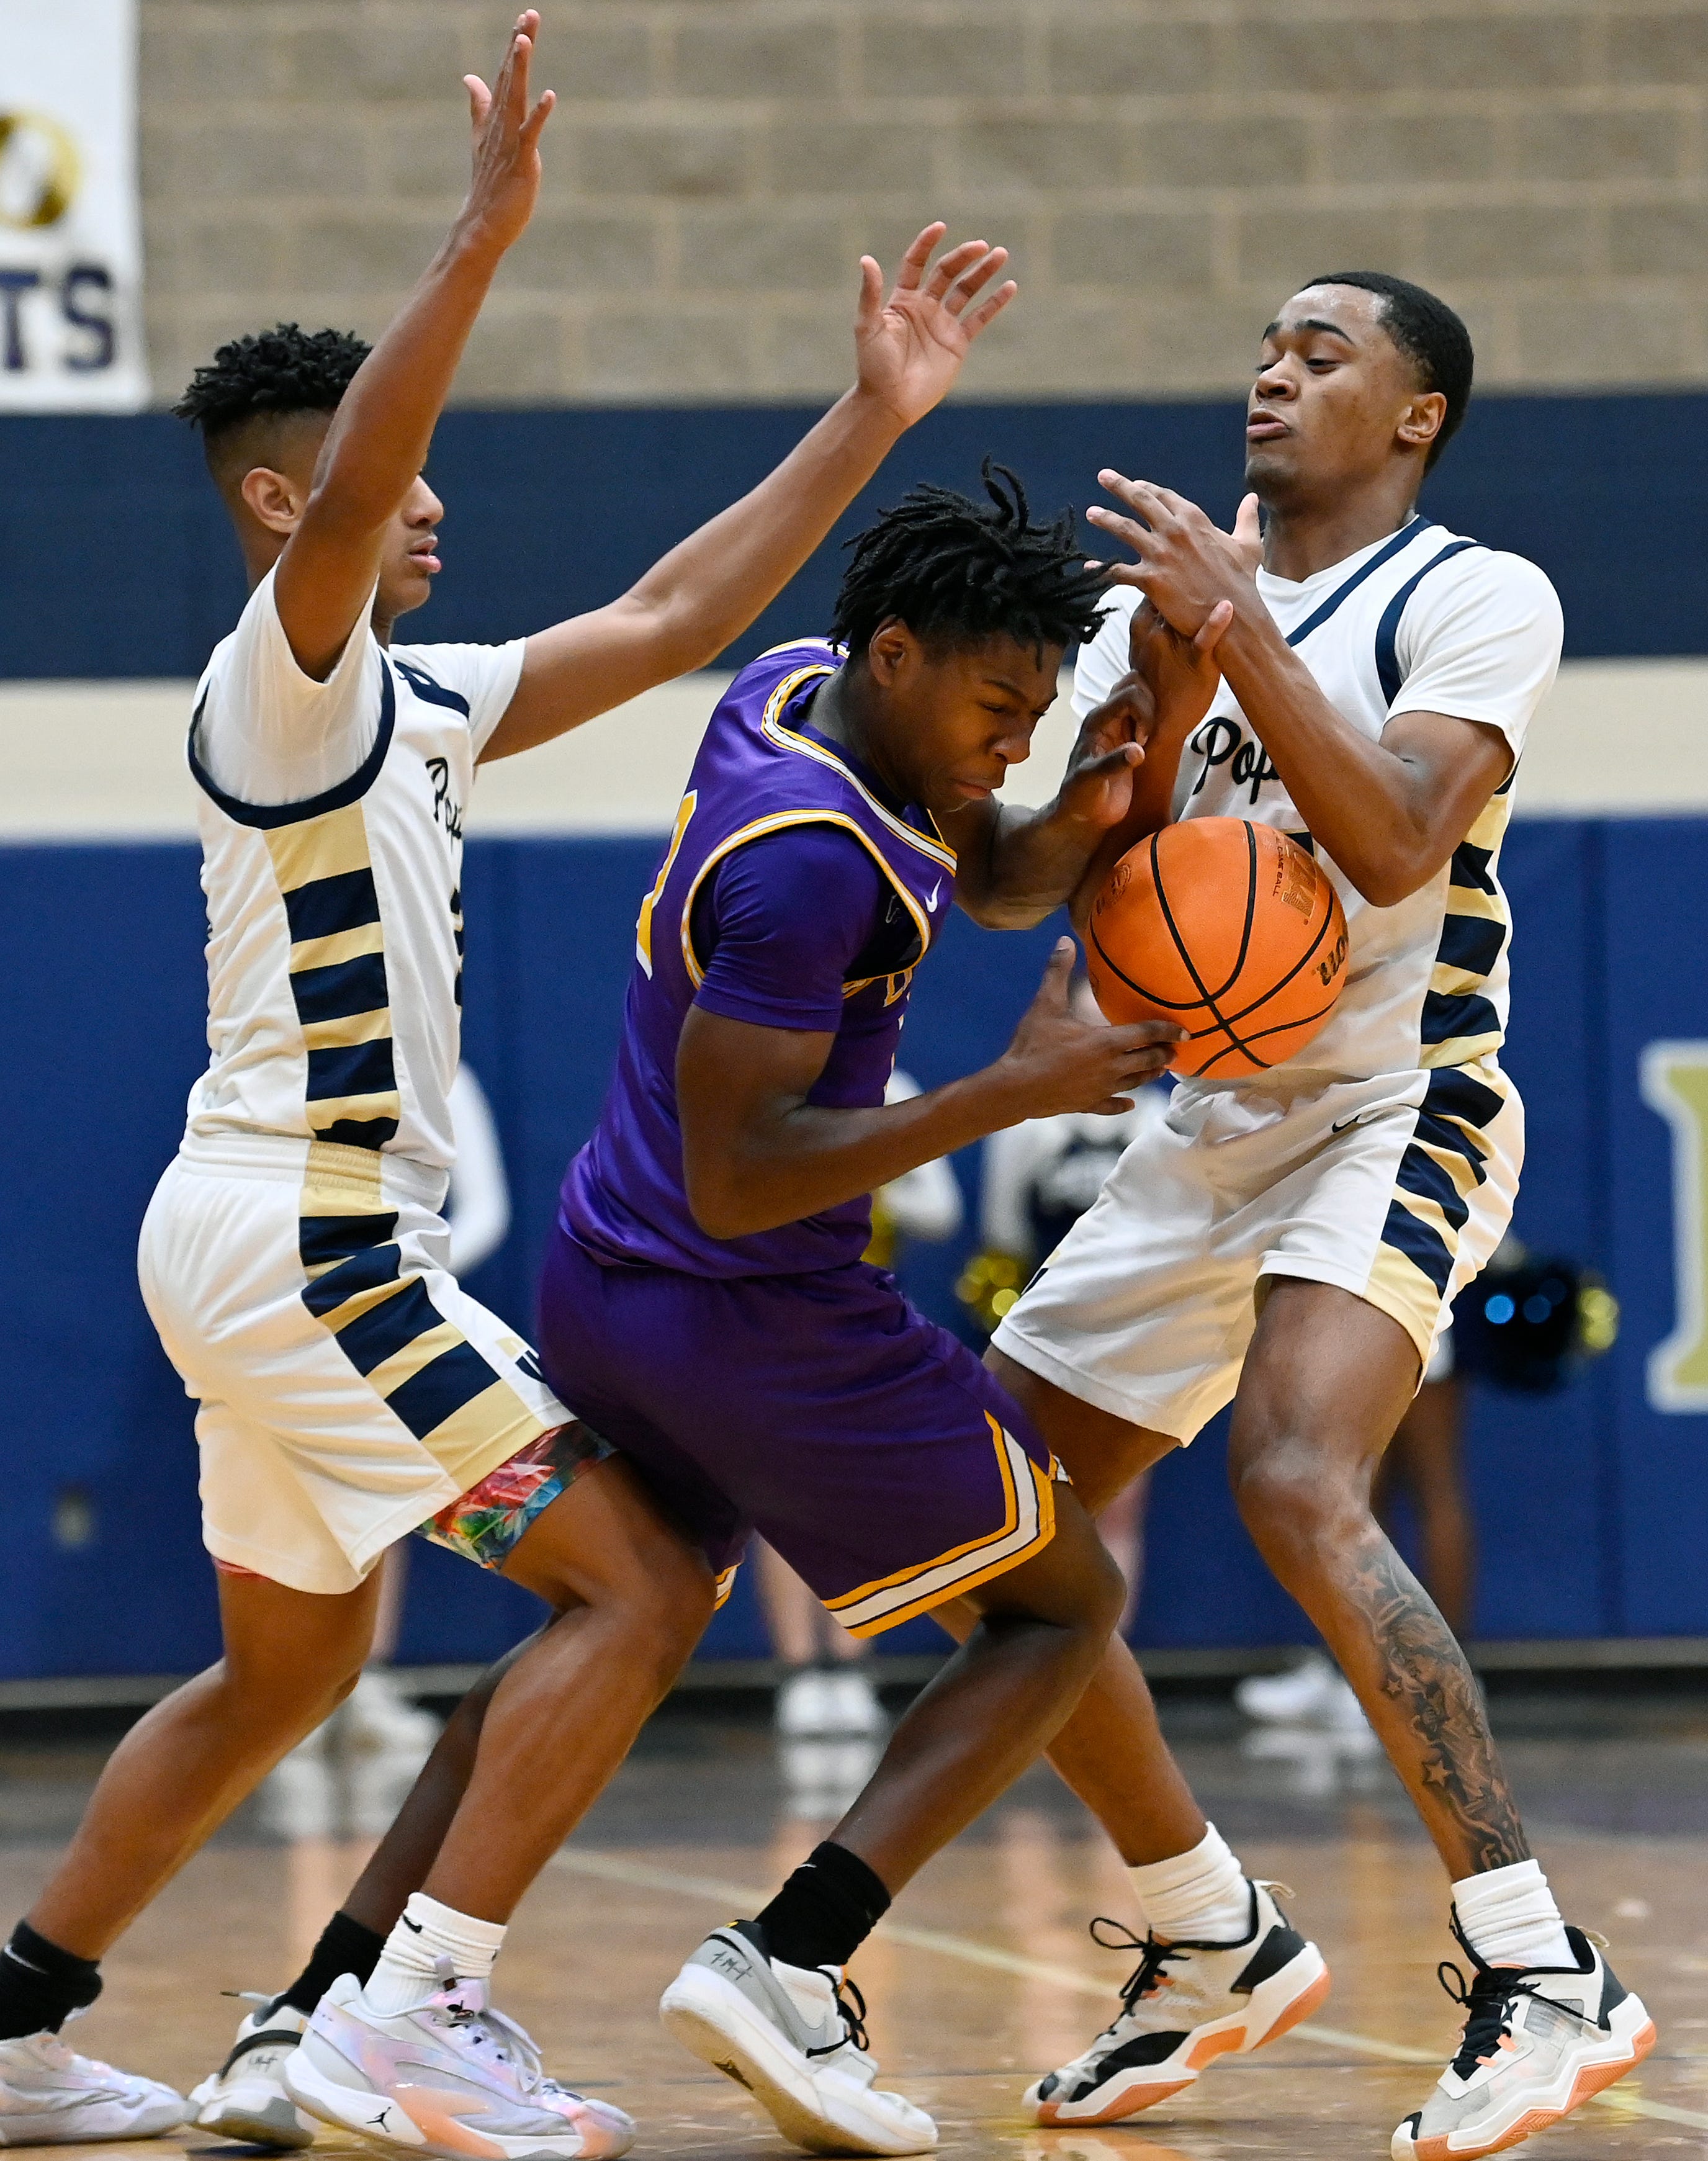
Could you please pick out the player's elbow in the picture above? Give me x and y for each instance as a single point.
(717, 1199)
(1386, 883)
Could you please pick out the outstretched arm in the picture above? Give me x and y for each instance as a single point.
(377, 443)
(1013, 866)
(687, 608)
(1388, 812)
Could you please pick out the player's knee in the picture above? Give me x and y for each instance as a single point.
(1293, 1503)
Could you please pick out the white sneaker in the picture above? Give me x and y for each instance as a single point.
(51, 2096)
(854, 1706)
(805, 1704)
(795, 2041)
(451, 2078)
(247, 2098)
(1538, 2042)
(1313, 1693)
(378, 1716)
(1184, 2005)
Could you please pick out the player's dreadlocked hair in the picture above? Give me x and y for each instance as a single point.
(957, 572)
(285, 370)
(1431, 337)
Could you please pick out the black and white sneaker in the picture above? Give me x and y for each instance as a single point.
(795, 2037)
(1183, 2005)
(246, 2097)
(1539, 2041)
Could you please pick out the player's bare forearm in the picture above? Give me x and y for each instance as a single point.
(378, 441)
(757, 1154)
(1389, 813)
(693, 602)
(1022, 864)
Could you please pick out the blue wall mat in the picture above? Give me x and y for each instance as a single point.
(1595, 1505)
(1656, 902)
(551, 511)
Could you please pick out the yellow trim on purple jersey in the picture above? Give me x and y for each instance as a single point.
(937, 851)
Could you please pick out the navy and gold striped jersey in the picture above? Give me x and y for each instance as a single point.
(335, 920)
(1425, 620)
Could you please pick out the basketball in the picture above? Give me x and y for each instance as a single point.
(1229, 928)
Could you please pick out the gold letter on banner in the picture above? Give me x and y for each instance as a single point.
(1675, 1083)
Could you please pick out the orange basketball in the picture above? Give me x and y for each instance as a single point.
(1229, 928)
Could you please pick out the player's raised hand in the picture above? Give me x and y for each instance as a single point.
(506, 182)
(1186, 563)
(910, 346)
(1059, 1061)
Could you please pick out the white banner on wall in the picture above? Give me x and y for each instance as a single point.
(71, 242)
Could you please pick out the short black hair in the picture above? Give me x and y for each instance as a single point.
(282, 371)
(1429, 334)
(957, 572)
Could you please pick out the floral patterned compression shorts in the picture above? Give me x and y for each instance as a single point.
(484, 1524)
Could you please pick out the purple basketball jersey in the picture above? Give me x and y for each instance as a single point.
(762, 768)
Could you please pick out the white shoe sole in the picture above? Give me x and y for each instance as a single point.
(1277, 2005)
(1584, 2073)
(389, 2120)
(92, 2127)
(814, 2110)
(254, 2110)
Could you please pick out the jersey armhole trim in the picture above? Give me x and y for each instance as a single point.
(268, 815)
(1387, 630)
(775, 823)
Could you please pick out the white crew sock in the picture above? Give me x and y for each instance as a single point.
(408, 1972)
(1509, 1917)
(1198, 1896)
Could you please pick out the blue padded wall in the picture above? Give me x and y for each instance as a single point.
(1594, 1505)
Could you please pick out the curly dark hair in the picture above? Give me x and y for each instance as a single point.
(285, 370)
(957, 572)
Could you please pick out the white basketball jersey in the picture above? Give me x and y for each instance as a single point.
(335, 920)
(1424, 622)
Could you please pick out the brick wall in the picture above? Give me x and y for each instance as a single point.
(1164, 171)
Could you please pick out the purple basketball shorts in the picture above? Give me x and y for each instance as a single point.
(870, 1447)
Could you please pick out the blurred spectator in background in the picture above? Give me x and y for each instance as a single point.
(1036, 1181)
(829, 1691)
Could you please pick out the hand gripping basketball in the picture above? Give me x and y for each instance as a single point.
(1059, 1062)
(1231, 929)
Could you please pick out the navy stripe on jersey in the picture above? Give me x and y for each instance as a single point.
(1387, 630)
(343, 901)
(1447, 1018)
(324, 1238)
(1454, 1094)
(1421, 1173)
(346, 988)
(1421, 1243)
(370, 1133)
(354, 1069)
(425, 687)
(267, 814)
(1443, 1133)
(442, 1386)
(1472, 868)
(1403, 538)
(391, 1327)
(362, 1271)
(1471, 942)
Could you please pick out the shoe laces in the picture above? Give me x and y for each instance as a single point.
(484, 2028)
(1150, 1977)
(1490, 1999)
(852, 2004)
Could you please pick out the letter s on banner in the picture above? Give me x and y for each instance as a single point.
(1674, 1082)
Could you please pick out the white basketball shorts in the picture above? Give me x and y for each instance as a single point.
(349, 1388)
(1397, 1190)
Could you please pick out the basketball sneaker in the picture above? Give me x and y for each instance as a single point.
(246, 2097)
(795, 2038)
(49, 2095)
(1539, 2041)
(1183, 2006)
(1314, 1693)
(452, 2078)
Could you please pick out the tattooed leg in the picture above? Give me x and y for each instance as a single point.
(1326, 1381)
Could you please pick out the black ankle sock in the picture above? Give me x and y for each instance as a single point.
(345, 1947)
(40, 1984)
(825, 1910)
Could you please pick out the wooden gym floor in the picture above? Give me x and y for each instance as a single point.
(983, 1976)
